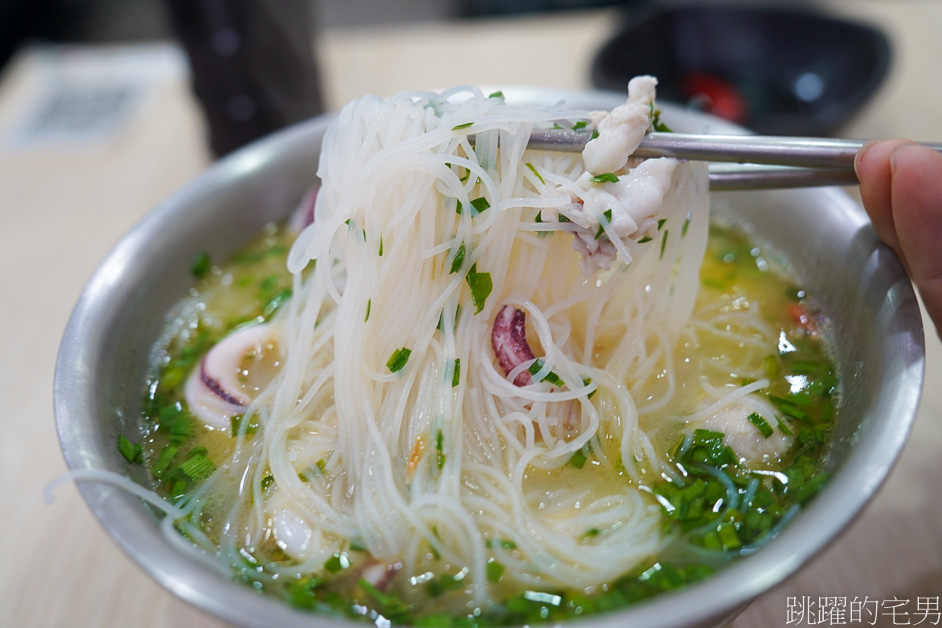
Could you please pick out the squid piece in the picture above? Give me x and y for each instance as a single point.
(213, 391)
(744, 438)
(294, 533)
(622, 129)
(509, 339)
(379, 574)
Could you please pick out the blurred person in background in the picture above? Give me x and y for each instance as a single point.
(253, 66)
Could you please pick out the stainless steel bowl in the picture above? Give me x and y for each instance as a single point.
(823, 233)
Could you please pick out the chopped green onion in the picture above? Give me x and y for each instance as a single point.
(578, 459)
(660, 223)
(608, 219)
(267, 481)
(336, 563)
(756, 419)
(459, 259)
(198, 467)
(235, 425)
(456, 374)
(276, 302)
(537, 174)
(201, 264)
(656, 123)
(381, 245)
(369, 305)
(440, 449)
(481, 286)
(497, 95)
(605, 177)
(663, 244)
(581, 124)
(461, 126)
(550, 377)
(398, 359)
(132, 452)
(495, 571)
(504, 543)
(166, 456)
(480, 204)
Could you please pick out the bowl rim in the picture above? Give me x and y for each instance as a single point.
(135, 529)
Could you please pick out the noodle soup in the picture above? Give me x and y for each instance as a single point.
(447, 413)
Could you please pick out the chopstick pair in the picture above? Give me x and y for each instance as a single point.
(761, 162)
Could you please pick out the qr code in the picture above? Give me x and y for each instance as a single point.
(80, 112)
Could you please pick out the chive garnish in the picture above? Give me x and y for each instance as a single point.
(578, 459)
(458, 260)
(336, 563)
(440, 449)
(537, 174)
(479, 204)
(756, 419)
(550, 377)
(495, 571)
(608, 219)
(198, 467)
(606, 177)
(398, 359)
(201, 264)
(481, 286)
(132, 452)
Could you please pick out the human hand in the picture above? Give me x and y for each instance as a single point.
(901, 189)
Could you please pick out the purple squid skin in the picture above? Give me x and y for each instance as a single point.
(213, 384)
(509, 340)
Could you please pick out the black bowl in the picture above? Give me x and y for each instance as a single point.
(777, 70)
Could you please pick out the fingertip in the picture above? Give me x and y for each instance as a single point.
(872, 165)
(861, 154)
(909, 154)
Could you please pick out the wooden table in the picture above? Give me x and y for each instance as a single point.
(63, 207)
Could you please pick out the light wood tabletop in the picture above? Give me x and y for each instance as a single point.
(68, 195)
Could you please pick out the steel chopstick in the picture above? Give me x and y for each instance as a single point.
(805, 152)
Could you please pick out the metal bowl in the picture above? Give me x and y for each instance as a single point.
(825, 236)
